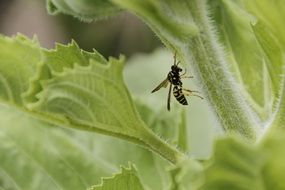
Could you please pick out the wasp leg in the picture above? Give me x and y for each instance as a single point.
(190, 91)
(187, 92)
(184, 73)
(169, 96)
(183, 76)
(186, 77)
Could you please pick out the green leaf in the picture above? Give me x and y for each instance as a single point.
(272, 14)
(106, 152)
(18, 55)
(152, 169)
(239, 166)
(77, 89)
(35, 155)
(86, 10)
(274, 53)
(269, 31)
(234, 165)
(95, 96)
(127, 179)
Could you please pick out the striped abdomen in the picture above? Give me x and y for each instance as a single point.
(178, 94)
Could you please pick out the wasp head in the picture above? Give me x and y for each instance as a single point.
(175, 69)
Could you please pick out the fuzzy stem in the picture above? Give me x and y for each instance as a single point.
(208, 61)
(163, 149)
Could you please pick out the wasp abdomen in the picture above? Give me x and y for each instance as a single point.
(178, 94)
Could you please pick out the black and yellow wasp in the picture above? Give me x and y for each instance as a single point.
(174, 78)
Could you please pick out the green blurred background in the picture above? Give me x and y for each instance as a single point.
(123, 33)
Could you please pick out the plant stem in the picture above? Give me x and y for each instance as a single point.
(162, 148)
(208, 61)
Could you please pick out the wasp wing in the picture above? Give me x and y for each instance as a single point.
(162, 84)
(168, 98)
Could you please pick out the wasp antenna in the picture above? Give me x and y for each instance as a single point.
(174, 58)
(178, 63)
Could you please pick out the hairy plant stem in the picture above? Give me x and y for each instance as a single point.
(163, 149)
(208, 62)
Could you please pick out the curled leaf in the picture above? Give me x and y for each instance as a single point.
(86, 10)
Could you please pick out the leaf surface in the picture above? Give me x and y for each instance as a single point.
(269, 29)
(275, 60)
(239, 166)
(272, 14)
(35, 155)
(19, 59)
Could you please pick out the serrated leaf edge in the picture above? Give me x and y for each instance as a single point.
(130, 168)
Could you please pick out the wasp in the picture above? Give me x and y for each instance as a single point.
(174, 78)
